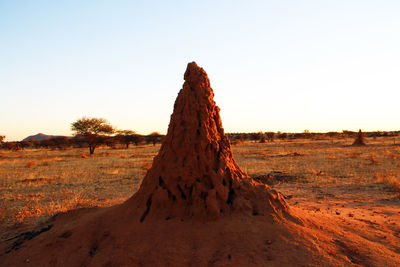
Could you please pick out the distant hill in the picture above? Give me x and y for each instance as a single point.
(41, 137)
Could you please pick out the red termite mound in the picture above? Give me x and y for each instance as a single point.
(359, 140)
(194, 174)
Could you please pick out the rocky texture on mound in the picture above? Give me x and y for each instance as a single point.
(194, 174)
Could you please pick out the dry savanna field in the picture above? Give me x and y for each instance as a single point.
(324, 176)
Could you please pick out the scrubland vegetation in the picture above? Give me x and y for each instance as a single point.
(38, 183)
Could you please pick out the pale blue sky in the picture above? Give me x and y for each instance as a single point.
(273, 65)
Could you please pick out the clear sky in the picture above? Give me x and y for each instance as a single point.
(274, 65)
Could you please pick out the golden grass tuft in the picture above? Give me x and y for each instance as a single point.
(390, 180)
(32, 210)
(27, 212)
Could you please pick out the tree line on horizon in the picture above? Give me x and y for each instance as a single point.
(263, 137)
(94, 132)
(88, 132)
(81, 142)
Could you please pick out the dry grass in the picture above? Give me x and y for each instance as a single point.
(36, 184)
(388, 179)
(321, 161)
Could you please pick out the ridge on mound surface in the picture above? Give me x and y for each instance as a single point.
(194, 174)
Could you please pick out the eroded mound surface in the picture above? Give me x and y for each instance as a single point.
(194, 175)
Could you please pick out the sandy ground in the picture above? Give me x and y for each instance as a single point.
(371, 212)
(342, 226)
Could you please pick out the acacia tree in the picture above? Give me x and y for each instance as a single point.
(154, 137)
(125, 137)
(137, 139)
(93, 130)
(270, 136)
(261, 137)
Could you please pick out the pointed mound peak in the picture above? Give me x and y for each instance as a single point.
(194, 75)
(194, 174)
